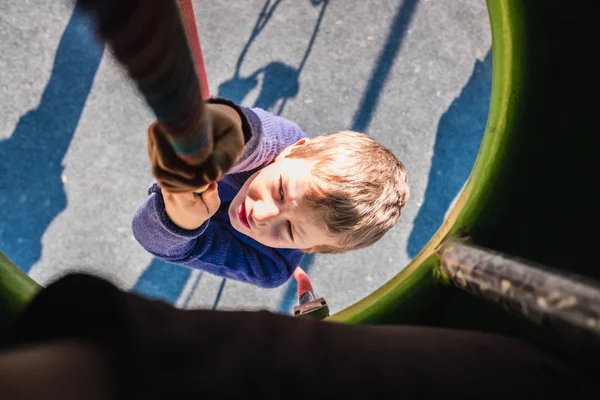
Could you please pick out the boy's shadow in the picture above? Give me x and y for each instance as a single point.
(456, 146)
(280, 82)
(31, 185)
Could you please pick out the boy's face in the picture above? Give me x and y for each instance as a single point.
(272, 208)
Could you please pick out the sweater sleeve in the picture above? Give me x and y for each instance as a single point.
(161, 237)
(270, 135)
(215, 247)
(265, 136)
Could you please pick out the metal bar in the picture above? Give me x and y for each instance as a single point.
(189, 22)
(569, 304)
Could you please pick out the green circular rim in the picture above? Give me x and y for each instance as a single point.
(506, 20)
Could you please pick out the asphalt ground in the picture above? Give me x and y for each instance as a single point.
(416, 75)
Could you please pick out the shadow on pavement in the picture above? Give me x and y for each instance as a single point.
(32, 192)
(456, 146)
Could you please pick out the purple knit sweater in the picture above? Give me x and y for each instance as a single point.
(216, 247)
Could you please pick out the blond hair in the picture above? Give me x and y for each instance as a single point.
(359, 190)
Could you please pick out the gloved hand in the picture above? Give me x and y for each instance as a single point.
(175, 175)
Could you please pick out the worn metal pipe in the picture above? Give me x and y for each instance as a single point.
(567, 303)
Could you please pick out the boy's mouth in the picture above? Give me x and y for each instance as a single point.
(242, 215)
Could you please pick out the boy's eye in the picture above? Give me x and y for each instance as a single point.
(281, 192)
(290, 230)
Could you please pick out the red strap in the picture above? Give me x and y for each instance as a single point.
(189, 21)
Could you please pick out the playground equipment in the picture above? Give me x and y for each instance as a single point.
(527, 193)
(524, 205)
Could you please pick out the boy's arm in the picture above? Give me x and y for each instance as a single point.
(244, 140)
(158, 234)
(175, 174)
(265, 135)
(215, 247)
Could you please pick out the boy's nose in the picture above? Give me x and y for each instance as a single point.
(263, 211)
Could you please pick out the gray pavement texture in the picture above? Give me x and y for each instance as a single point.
(416, 75)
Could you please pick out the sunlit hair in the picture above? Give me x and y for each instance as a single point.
(359, 189)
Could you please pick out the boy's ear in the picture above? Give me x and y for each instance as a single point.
(286, 152)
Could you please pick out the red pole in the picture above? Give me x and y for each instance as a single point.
(189, 21)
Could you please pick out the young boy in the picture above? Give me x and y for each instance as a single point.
(285, 196)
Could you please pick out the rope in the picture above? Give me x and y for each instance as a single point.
(149, 39)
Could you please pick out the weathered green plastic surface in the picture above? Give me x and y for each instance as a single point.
(419, 282)
(16, 290)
